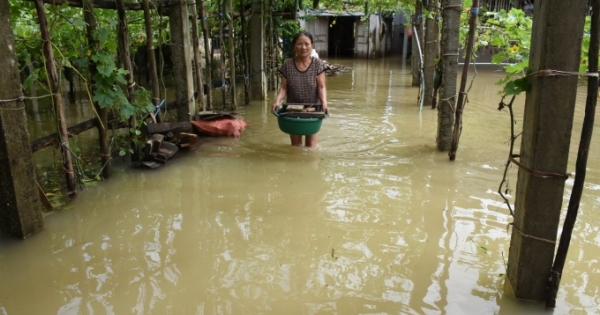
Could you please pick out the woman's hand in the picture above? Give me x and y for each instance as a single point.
(275, 107)
(326, 110)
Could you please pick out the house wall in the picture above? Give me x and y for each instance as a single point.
(319, 29)
(368, 41)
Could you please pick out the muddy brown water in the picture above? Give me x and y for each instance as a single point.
(373, 221)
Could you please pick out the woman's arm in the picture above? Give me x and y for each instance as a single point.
(281, 94)
(322, 91)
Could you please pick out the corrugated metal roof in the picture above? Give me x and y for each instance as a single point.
(332, 13)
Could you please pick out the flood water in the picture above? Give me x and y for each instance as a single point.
(373, 221)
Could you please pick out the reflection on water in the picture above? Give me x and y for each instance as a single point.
(374, 221)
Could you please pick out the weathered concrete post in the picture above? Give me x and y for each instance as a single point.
(547, 123)
(20, 206)
(258, 86)
(181, 54)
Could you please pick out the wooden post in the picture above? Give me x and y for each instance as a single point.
(126, 59)
(20, 214)
(432, 37)
(90, 19)
(231, 57)
(197, 63)
(151, 55)
(207, 56)
(451, 10)
(54, 85)
(244, 50)
(181, 55)
(257, 44)
(547, 124)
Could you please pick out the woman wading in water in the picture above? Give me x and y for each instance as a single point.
(303, 82)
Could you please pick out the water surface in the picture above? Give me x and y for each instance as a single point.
(373, 221)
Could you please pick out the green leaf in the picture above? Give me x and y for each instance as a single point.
(515, 68)
(122, 152)
(517, 86)
(103, 99)
(106, 70)
(78, 23)
(127, 111)
(499, 57)
(34, 76)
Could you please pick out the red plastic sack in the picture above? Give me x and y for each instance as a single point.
(221, 127)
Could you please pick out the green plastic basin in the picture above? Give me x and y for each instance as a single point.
(299, 126)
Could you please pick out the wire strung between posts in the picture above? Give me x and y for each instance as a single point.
(534, 173)
(530, 236)
(20, 98)
(550, 72)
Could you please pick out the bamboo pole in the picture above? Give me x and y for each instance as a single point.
(582, 157)
(55, 88)
(231, 58)
(126, 59)
(274, 51)
(272, 71)
(222, 56)
(151, 56)
(460, 103)
(196, 41)
(244, 52)
(90, 19)
(207, 56)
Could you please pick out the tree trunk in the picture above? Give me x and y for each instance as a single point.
(432, 37)
(198, 65)
(244, 51)
(207, 56)
(126, 59)
(90, 19)
(447, 102)
(418, 35)
(222, 57)
(231, 58)
(151, 56)
(460, 103)
(57, 99)
(257, 37)
(20, 214)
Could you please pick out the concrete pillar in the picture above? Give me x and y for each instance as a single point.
(547, 123)
(181, 54)
(20, 206)
(258, 82)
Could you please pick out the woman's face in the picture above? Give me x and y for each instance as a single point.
(303, 46)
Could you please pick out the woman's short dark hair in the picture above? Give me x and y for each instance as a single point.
(302, 33)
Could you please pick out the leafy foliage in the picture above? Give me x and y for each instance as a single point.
(510, 34)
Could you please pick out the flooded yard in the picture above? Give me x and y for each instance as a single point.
(373, 221)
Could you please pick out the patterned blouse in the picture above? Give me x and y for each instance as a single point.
(302, 85)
